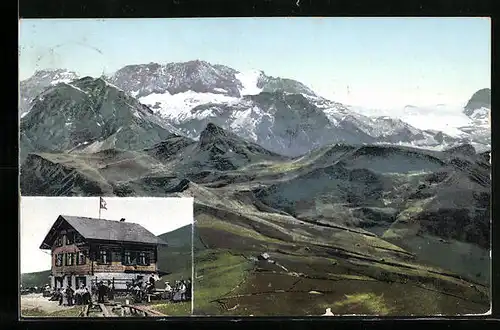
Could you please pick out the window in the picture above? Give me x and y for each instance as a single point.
(70, 259)
(143, 259)
(104, 257)
(70, 238)
(127, 258)
(59, 260)
(82, 258)
(59, 241)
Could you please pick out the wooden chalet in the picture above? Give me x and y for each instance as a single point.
(88, 250)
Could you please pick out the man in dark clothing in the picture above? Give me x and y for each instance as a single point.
(188, 289)
(101, 292)
(61, 296)
(182, 290)
(151, 284)
(86, 299)
(69, 295)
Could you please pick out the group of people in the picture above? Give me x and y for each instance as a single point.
(104, 290)
(180, 291)
(140, 288)
(80, 296)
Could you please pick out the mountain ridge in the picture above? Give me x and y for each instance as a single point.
(199, 87)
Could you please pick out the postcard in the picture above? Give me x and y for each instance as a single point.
(335, 166)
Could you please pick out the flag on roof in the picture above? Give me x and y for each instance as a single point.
(102, 203)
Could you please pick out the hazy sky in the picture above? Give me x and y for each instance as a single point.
(158, 215)
(378, 62)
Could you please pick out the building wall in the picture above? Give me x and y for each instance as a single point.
(70, 280)
(116, 265)
(92, 264)
(77, 269)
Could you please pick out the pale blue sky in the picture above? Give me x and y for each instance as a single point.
(384, 61)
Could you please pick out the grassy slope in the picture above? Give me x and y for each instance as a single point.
(235, 230)
(38, 279)
(176, 258)
(231, 284)
(373, 277)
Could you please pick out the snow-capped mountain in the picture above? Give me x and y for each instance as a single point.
(282, 115)
(201, 77)
(31, 87)
(264, 109)
(470, 122)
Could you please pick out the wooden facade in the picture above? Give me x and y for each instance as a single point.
(77, 259)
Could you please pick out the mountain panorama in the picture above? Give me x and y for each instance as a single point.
(356, 213)
(280, 114)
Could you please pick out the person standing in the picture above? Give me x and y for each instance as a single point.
(168, 291)
(188, 289)
(61, 296)
(151, 284)
(86, 299)
(182, 290)
(78, 296)
(69, 295)
(111, 292)
(101, 292)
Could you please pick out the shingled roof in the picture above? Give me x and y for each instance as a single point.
(107, 230)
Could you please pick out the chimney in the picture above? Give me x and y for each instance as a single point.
(122, 220)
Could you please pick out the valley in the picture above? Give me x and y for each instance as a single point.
(317, 210)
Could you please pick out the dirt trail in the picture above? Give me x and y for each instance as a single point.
(36, 300)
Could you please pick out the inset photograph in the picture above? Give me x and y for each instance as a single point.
(106, 257)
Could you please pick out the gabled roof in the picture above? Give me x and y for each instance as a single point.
(106, 230)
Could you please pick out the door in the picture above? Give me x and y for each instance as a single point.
(59, 282)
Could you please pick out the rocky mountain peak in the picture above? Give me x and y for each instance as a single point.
(480, 99)
(463, 149)
(173, 78)
(211, 133)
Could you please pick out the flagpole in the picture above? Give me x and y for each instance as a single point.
(99, 208)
